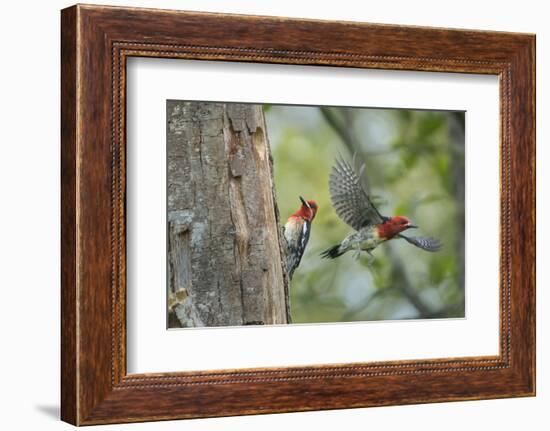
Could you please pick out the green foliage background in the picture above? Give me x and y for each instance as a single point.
(414, 167)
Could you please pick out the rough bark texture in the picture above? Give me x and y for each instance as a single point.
(224, 250)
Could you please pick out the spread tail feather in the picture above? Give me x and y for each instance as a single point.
(332, 252)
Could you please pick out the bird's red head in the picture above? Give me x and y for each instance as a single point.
(393, 226)
(307, 210)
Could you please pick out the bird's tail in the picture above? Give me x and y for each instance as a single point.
(333, 252)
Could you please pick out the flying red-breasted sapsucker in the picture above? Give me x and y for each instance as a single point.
(297, 230)
(354, 206)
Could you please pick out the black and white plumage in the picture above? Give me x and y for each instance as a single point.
(296, 231)
(297, 237)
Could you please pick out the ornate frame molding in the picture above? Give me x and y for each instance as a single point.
(96, 41)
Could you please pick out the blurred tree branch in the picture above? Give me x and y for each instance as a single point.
(344, 129)
(342, 126)
(400, 278)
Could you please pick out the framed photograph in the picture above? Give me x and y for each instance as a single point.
(268, 215)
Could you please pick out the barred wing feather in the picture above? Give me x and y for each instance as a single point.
(351, 202)
(427, 243)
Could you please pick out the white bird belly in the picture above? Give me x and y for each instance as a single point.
(363, 240)
(370, 243)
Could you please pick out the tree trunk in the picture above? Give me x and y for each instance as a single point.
(225, 251)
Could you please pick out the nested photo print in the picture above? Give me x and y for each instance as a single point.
(280, 214)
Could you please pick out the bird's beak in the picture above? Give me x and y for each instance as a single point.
(304, 202)
(412, 226)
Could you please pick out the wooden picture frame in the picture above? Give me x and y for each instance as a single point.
(96, 41)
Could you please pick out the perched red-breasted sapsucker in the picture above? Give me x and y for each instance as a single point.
(354, 206)
(297, 230)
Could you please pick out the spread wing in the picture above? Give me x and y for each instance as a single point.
(351, 202)
(427, 243)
